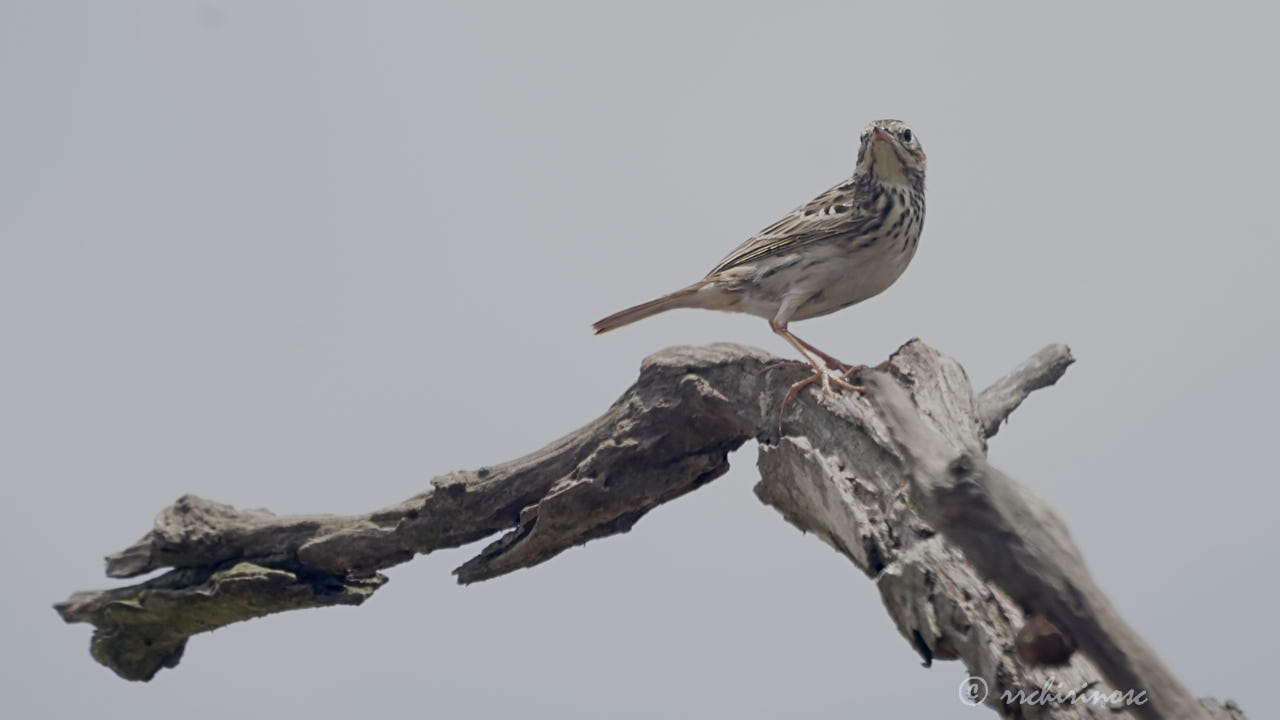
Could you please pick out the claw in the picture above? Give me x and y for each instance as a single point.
(851, 370)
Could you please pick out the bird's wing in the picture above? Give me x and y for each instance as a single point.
(834, 212)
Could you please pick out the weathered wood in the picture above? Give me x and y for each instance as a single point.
(896, 480)
(1016, 542)
(1004, 396)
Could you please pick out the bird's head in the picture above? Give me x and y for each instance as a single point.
(891, 153)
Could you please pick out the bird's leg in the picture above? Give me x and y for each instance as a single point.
(832, 362)
(822, 371)
(849, 370)
(845, 369)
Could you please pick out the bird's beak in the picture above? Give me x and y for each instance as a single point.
(879, 133)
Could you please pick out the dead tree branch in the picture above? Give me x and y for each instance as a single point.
(970, 565)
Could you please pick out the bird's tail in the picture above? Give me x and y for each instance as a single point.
(670, 301)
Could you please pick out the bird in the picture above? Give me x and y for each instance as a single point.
(846, 245)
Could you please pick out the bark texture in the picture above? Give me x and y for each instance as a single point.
(971, 565)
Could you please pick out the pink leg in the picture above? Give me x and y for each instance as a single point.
(832, 362)
(822, 370)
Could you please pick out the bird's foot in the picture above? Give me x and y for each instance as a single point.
(829, 377)
(852, 371)
(837, 364)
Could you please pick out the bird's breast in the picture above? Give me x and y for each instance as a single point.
(854, 269)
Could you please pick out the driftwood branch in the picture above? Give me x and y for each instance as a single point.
(971, 565)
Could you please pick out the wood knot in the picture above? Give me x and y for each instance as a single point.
(1040, 642)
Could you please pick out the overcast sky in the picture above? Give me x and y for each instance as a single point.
(307, 255)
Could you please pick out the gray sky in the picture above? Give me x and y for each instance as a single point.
(307, 255)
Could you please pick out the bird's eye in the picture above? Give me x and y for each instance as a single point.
(906, 136)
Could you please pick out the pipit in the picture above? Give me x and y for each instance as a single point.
(846, 245)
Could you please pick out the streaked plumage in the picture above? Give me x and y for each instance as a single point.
(844, 246)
